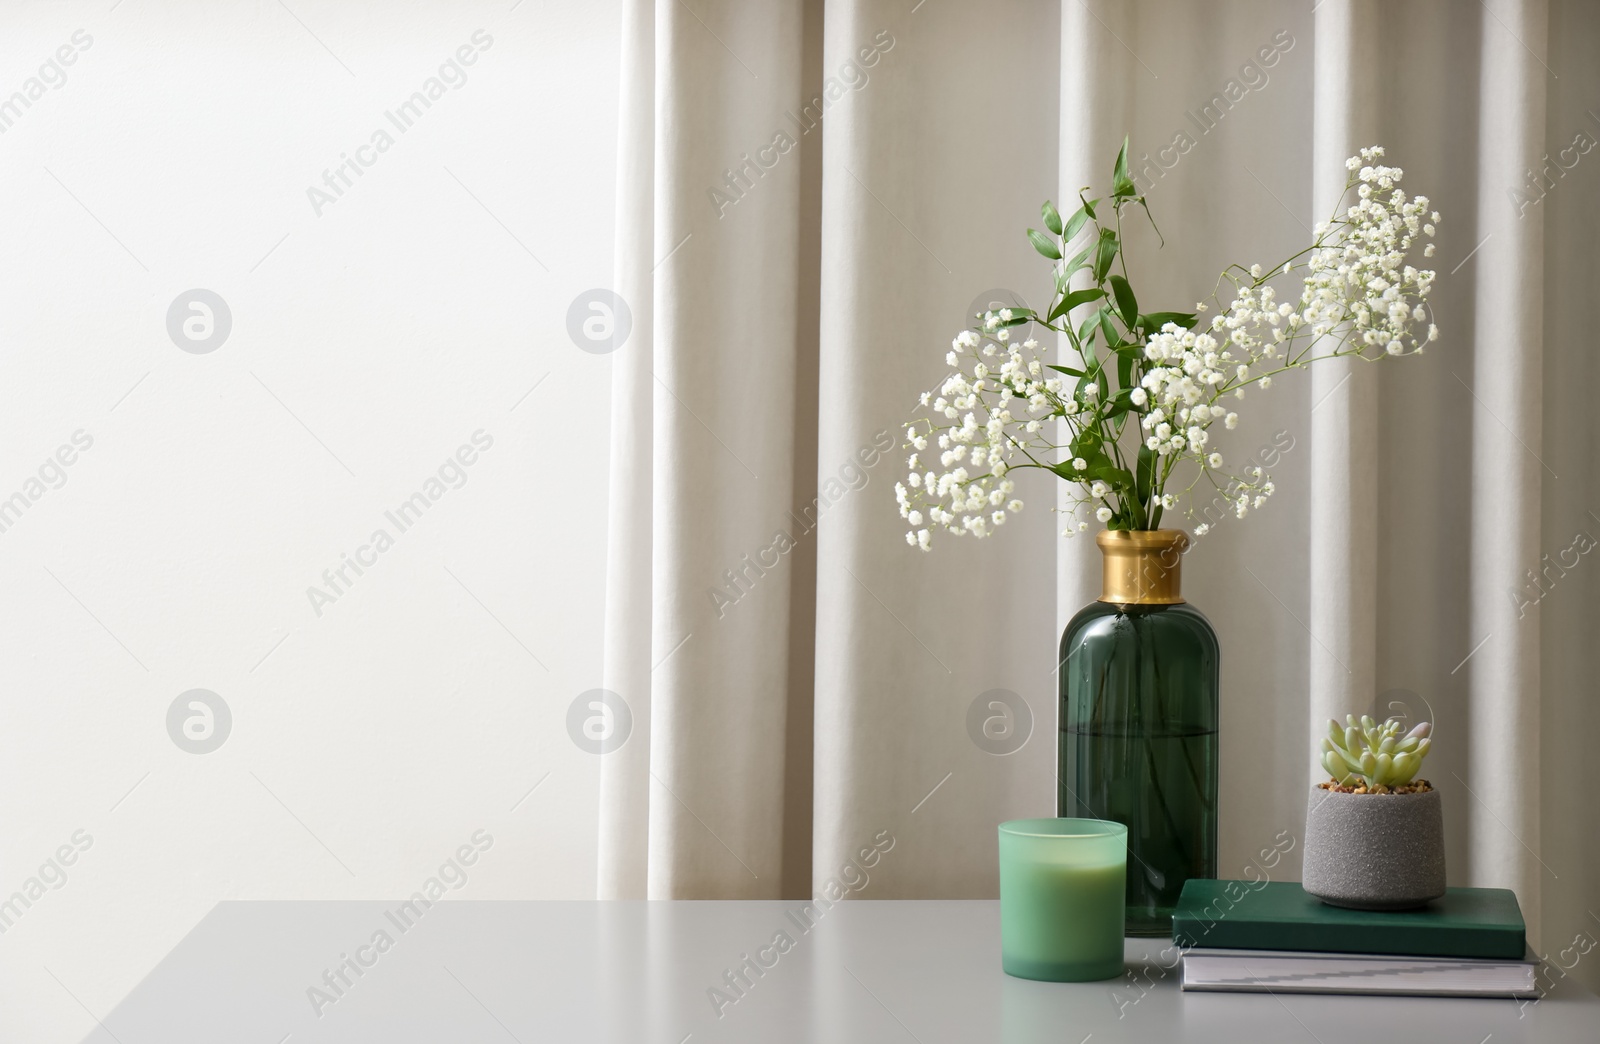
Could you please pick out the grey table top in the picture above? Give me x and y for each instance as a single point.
(657, 973)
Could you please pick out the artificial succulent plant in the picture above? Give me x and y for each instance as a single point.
(1378, 755)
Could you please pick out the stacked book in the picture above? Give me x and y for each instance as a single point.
(1273, 937)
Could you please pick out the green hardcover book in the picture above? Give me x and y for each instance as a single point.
(1280, 915)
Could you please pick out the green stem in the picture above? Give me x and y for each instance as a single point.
(1149, 749)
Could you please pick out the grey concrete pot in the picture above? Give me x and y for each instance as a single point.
(1374, 851)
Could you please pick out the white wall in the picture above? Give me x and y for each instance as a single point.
(367, 344)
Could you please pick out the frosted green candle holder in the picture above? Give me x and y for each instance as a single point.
(1063, 885)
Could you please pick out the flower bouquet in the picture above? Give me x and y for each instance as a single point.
(1126, 418)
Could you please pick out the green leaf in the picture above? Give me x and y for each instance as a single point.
(1111, 475)
(1069, 371)
(1113, 341)
(1154, 321)
(1073, 300)
(1124, 370)
(1126, 303)
(1145, 474)
(1067, 269)
(1122, 185)
(1044, 245)
(1052, 217)
(1152, 219)
(1066, 471)
(1087, 445)
(1120, 404)
(1076, 222)
(1089, 324)
(1105, 252)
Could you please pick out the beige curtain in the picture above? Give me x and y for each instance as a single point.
(811, 197)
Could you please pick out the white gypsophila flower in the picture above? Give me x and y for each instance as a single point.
(984, 418)
(1358, 297)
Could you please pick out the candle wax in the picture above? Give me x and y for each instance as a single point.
(1061, 922)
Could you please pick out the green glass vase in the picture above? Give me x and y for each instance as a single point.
(1138, 723)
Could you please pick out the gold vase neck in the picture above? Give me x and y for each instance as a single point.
(1142, 566)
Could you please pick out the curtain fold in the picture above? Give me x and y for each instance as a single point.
(1506, 367)
(623, 851)
(803, 685)
(1342, 540)
(904, 651)
(704, 447)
